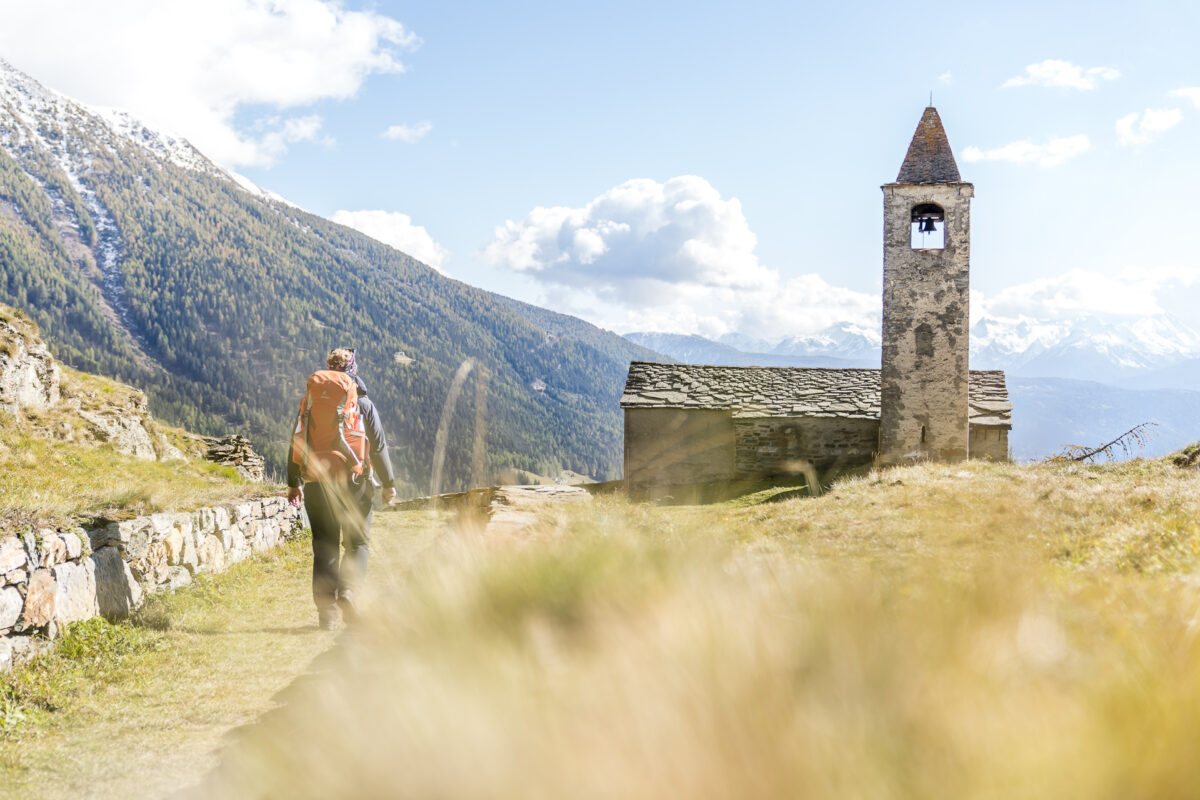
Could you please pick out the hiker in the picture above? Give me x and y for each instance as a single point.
(339, 452)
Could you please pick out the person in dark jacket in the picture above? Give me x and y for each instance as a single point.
(340, 512)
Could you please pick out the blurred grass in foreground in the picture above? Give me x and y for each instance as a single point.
(983, 631)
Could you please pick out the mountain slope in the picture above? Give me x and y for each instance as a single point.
(141, 260)
(1049, 413)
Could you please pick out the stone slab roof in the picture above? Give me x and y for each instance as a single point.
(790, 391)
(929, 158)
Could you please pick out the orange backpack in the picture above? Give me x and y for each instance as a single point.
(330, 440)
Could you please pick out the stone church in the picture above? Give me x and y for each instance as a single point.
(691, 424)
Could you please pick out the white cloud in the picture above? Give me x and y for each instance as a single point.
(1191, 93)
(1139, 128)
(276, 133)
(396, 229)
(1050, 154)
(946, 77)
(189, 68)
(409, 134)
(1056, 73)
(1083, 292)
(671, 256)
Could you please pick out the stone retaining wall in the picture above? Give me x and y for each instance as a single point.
(50, 578)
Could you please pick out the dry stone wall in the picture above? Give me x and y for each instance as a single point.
(50, 578)
(786, 445)
(677, 447)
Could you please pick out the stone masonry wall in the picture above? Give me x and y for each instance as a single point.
(50, 578)
(989, 442)
(677, 447)
(923, 399)
(784, 445)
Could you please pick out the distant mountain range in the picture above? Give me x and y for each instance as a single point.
(142, 260)
(1159, 352)
(1106, 348)
(1062, 378)
(698, 350)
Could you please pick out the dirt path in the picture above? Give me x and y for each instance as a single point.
(514, 507)
(222, 665)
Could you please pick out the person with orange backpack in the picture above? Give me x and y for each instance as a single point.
(340, 454)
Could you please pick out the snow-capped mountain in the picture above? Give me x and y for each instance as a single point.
(844, 340)
(698, 350)
(1105, 348)
(47, 113)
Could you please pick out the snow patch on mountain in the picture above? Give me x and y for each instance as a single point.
(176, 149)
(1102, 347)
(1110, 348)
(845, 340)
(44, 115)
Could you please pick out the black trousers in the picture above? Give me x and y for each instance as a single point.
(340, 516)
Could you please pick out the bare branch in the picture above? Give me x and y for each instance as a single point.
(1128, 444)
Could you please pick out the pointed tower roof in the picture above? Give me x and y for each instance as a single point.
(929, 158)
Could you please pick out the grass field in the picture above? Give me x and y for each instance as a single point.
(981, 631)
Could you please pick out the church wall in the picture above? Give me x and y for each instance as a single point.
(676, 447)
(989, 442)
(784, 445)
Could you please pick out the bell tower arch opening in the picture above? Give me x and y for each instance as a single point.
(928, 230)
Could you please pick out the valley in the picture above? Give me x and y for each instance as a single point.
(141, 260)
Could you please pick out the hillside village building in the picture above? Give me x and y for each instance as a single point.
(690, 424)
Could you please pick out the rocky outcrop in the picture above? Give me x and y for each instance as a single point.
(29, 375)
(235, 451)
(92, 409)
(51, 578)
(126, 433)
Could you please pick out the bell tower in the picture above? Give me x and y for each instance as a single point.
(926, 303)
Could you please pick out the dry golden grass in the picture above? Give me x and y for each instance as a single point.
(53, 468)
(982, 631)
(978, 631)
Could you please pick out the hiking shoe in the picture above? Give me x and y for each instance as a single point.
(345, 602)
(328, 619)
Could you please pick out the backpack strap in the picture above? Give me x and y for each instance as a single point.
(305, 420)
(343, 445)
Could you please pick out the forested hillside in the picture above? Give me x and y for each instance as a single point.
(142, 261)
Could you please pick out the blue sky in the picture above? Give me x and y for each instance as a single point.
(693, 166)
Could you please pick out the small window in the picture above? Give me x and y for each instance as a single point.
(928, 227)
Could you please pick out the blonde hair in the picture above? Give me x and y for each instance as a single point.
(339, 358)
